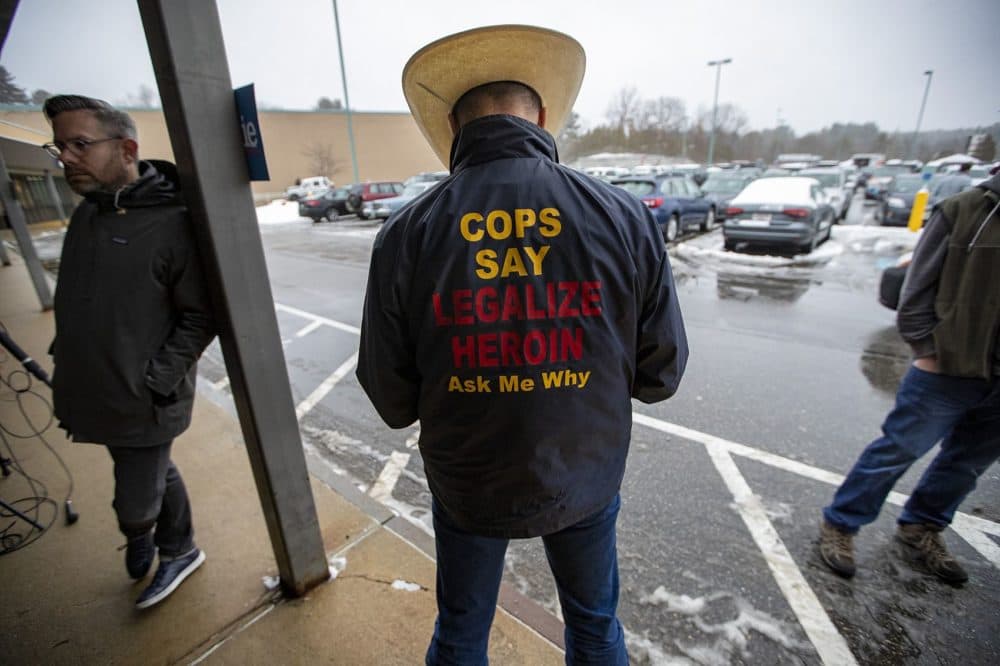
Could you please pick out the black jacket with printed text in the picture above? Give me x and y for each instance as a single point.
(514, 309)
(132, 315)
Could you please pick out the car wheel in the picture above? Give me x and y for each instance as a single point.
(331, 215)
(673, 227)
(709, 221)
(353, 203)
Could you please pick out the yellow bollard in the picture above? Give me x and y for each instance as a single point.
(917, 212)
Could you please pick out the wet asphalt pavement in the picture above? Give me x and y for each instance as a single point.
(793, 366)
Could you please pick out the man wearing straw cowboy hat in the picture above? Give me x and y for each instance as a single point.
(514, 309)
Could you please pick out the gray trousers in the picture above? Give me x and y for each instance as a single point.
(149, 492)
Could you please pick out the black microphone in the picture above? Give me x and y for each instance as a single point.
(71, 515)
(29, 363)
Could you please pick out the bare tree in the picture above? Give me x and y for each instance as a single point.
(325, 103)
(144, 98)
(624, 110)
(39, 96)
(667, 114)
(320, 158)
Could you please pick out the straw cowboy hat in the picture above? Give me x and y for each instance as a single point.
(437, 75)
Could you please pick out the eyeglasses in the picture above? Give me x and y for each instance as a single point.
(75, 146)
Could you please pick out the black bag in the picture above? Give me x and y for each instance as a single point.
(890, 286)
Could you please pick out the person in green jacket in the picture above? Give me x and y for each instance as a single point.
(949, 313)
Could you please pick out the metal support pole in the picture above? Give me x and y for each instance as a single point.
(347, 99)
(18, 223)
(54, 193)
(920, 117)
(715, 106)
(192, 73)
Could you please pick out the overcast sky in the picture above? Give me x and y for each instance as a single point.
(808, 62)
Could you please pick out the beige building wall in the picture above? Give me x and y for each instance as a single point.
(389, 145)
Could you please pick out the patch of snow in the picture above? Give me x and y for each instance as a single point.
(404, 586)
(271, 583)
(280, 211)
(337, 564)
(676, 603)
(653, 653)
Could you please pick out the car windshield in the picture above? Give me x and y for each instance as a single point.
(825, 178)
(907, 184)
(639, 188)
(723, 185)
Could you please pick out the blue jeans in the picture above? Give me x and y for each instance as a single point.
(963, 414)
(584, 562)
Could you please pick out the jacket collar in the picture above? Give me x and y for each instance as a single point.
(156, 186)
(500, 137)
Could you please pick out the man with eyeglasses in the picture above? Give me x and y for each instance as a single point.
(132, 318)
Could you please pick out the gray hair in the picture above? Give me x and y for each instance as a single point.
(116, 123)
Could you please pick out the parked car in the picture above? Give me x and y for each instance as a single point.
(836, 187)
(790, 210)
(899, 200)
(675, 200)
(878, 180)
(721, 187)
(426, 177)
(383, 208)
(362, 192)
(327, 205)
(307, 187)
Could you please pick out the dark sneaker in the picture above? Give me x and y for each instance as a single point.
(169, 575)
(926, 544)
(139, 552)
(836, 547)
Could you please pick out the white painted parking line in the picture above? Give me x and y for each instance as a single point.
(971, 528)
(308, 328)
(221, 384)
(830, 645)
(385, 483)
(323, 320)
(307, 405)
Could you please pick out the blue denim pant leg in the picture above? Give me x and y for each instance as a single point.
(928, 407)
(584, 562)
(972, 446)
(469, 569)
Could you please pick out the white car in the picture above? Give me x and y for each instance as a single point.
(307, 187)
(835, 185)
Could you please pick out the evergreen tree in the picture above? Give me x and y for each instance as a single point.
(10, 92)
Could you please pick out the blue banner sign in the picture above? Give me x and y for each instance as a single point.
(253, 142)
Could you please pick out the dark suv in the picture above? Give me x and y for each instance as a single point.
(362, 192)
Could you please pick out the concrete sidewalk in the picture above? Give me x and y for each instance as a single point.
(66, 597)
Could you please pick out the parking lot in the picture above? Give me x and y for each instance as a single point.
(793, 365)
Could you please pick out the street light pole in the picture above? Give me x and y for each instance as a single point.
(347, 100)
(715, 105)
(913, 142)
